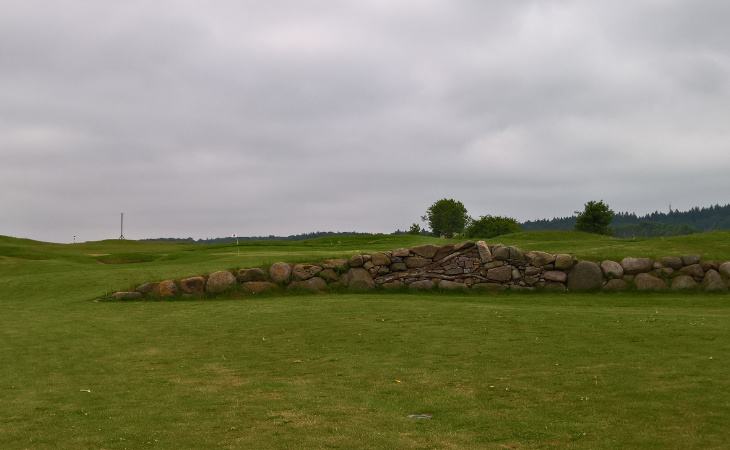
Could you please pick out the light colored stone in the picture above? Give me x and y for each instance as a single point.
(515, 254)
(563, 261)
(401, 252)
(683, 282)
(337, 263)
(416, 262)
(693, 270)
(724, 269)
(359, 279)
(451, 285)
(585, 276)
(192, 285)
(398, 267)
(220, 281)
(688, 260)
(500, 252)
(303, 272)
(127, 296)
(635, 266)
(463, 246)
(485, 255)
(146, 288)
(648, 282)
(356, 261)
(380, 259)
(425, 251)
(280, 272)
(539, 259)
(612, 269)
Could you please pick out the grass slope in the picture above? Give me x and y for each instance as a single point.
(345, 371)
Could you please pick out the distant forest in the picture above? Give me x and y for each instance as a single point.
(293, 237)
(656, 224)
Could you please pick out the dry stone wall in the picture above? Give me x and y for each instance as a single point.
(467, 265)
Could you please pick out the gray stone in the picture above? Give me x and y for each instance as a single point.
(280, 272)
(245, 275)
(303, 272)
(585, 276)
(688, 260)
(532, 271)
(709, 265)
(220, 281)
(555, 275)
(724, 269)
(392, 285)
(401, 252)
(503, 273)
(425, 251)
(422, 285)
(648, 282)
(563, 261)
(398, 267)
(500, 252)
(672, 262)
(683, 282)
(634, 266)
(192, 285)
(127, 296)
(380, 259)
(329, 275)
(539, 259)
(612, 269)
(515, 254)
(693, 270)
(257, 287)
(444, 251)
(368, 265)
(493, 264)
(356, 261)
(485, 255)
(359, 279)
(554, 287)
(616, 284)
(416, 262)
(451, 285)
(146, 288)
(713, 281)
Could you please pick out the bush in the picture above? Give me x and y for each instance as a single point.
(492, 226)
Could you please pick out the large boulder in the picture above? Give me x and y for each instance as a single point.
(380, 259)
(302, 272)
(563, 261)
(220, 281)
(713, 281)
(425, 251)
(555, 275)
(648, 282)
(688, 260)
(146, 288)
(443, 251)
(612, 269)
(166, 289)
(416, 262)
(501, 274)
(312, 284)
(192, 285)
(280, 272)
(683, 282)
(485, 255)
(724, 269)
(672, 262)
(539, 259)
(500, 252)
(246, 275)
(693, 270)
(585, 276)
(357, 261)
(635, 266)
(359, 279)
(400, 252)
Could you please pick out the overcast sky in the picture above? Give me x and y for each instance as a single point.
(207, 118)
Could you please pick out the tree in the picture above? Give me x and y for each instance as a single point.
(415, 230)
(595, 218)
(446, 217)
(489, 227)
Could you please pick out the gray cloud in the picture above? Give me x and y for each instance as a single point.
(200, 119)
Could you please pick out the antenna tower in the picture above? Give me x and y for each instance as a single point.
(121, 236)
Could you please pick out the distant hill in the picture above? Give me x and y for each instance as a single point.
(293, 237)
(656, 224)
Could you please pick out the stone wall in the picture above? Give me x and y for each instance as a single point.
(467, 265)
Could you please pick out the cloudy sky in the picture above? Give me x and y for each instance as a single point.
(206, 118)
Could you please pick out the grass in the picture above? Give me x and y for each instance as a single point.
(345, 371)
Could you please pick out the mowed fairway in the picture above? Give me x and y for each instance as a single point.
(346, 370)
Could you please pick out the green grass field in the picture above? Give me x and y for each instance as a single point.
(500, 371)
